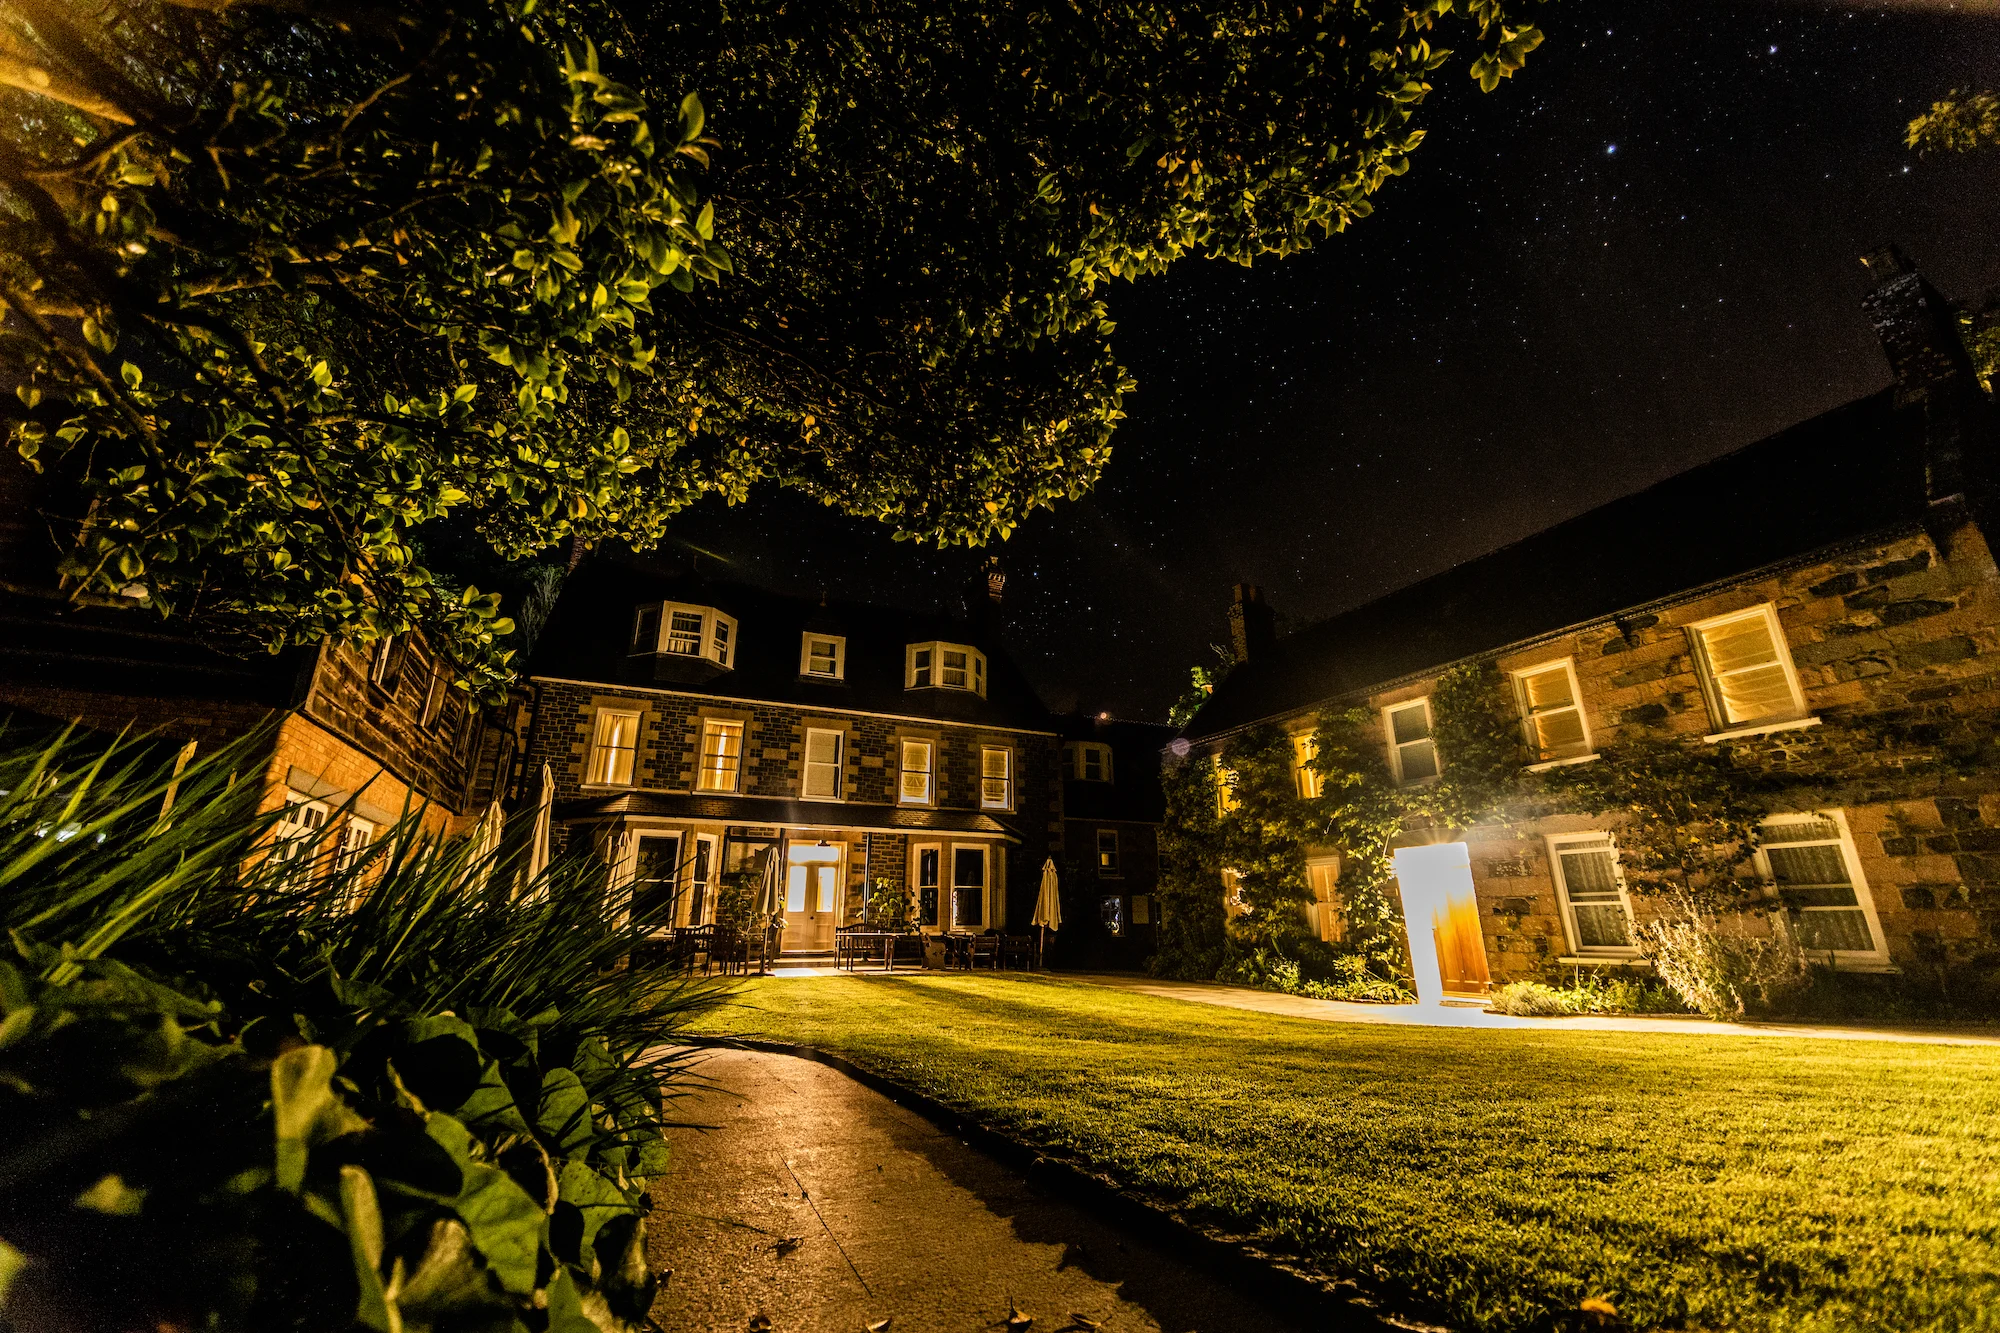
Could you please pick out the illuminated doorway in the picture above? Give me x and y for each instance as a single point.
(812, 896)
(1450, 957)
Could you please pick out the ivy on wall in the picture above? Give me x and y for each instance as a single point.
(1686, 816)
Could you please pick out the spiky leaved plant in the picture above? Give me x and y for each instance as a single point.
(409, 1090)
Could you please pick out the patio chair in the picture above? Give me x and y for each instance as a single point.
(985, 951)
(1017, 951)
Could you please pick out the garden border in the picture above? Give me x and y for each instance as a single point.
(1339, 1303)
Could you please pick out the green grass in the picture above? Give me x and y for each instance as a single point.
(1493, 1179)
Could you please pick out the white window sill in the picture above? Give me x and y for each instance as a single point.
(1548, 764)
(1761, 729)
(1604, 960)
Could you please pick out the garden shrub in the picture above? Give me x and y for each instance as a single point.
(237, 1093)
(1586, 994)
(1723, 973)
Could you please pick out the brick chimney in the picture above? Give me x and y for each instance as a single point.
(985, 596)
(1252, 628)
(1919, 333)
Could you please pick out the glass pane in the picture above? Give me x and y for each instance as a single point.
(1601, 928)
(1749, 696)
(1419, 761)
(993, 791)
(1813, 864)
(993, 763)
(1836, 929)
(968, 866)
(1547, 689)
(916, 785)
(828, 877)
(822, 747)
(1410, 724)
(684, 633)
(1739, 645)
(1808, 830)
(1560, 734)
(646, 630)
(1589, 876)
(795, 889)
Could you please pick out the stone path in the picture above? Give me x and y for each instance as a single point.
(822, 1205)
(1472, 1016)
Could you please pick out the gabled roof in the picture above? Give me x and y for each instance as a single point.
(588, 638)
(1840, 476)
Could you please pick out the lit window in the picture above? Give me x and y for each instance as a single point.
(821, 781)
(915, 787)
(295, 839)
(613, 746)
(679, 630)
(1411, 749)
(1552, 712)
(1107, 854)
(355, 836)
(1808, 861)
(1111, 911)
(1329, 917)
(823, 656)
(721, 755)
(1225, 788)
(1232, 893)
(996, 777)
(1090, 761)
(1746, 670)
(1142, 909)
(968, 886)
(1595, 909)
(950, 666)
(1304, 750)
(684, 633)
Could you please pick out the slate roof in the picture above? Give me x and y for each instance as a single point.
(1856, 470)
(588, 636)
(764, 812)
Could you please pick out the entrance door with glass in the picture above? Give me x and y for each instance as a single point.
(1450, 957)
(656, 878)
(812, 896)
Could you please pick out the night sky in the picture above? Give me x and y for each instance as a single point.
(1639, 254)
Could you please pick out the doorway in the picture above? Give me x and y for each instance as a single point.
(1449, 958)
(656, 878)
(813, 884)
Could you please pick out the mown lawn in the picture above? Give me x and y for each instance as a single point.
(1494, 1180)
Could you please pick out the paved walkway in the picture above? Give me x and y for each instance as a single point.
(1472, 1016)
(819, 1204)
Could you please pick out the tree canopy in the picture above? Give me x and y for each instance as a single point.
(289, 286)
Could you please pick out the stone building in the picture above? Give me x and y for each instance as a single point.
(691, 727)
(1825, 602)
(1112, 811)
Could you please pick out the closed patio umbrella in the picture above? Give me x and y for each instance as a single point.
(1048, 906)
(769, 912)
(545, 804)
(486, 842)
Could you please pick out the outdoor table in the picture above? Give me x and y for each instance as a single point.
(855, 942)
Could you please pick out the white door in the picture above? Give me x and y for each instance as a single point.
(812, 896)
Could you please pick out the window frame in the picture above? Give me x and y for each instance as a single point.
(1305, 748)
(392, 653)
(715, 640)
(1079, 754)
(716, 726)
(929, 770)
(1864, 895)
(1226, 799)
(1006, 779)
(1328, 911)
(1528, 730)
(807, 641)
(950, 906)
(599, 716)
(1711, 689)
(347, 851)
(933, 669)
(1566, 908)
(838, 763)
(298, 844)
(940, 906)
(1428, 738)
(1116, 869)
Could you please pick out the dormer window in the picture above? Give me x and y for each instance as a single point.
(823, 657)
(946, 666)
(1090, 761)
(678, 630)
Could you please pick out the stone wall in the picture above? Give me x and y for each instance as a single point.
(423, 731)
(1897, 649)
